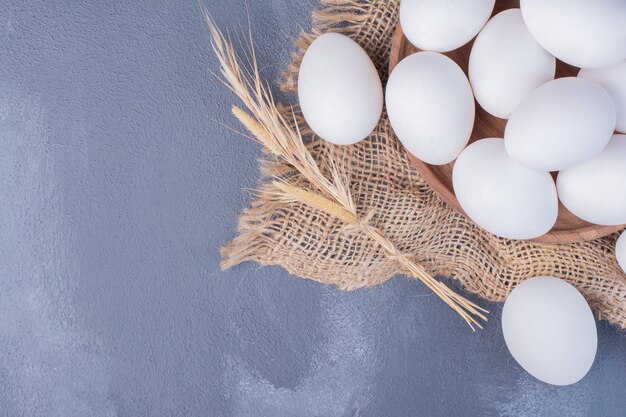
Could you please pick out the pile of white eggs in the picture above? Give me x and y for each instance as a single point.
(565, 125)
(504, 184)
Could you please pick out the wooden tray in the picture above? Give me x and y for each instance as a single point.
(568, 228)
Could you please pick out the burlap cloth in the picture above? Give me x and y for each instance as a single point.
(310, 244)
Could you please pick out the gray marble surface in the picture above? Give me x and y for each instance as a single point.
(118, 185)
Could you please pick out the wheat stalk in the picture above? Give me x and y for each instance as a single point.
(266, 124)
(465, 308)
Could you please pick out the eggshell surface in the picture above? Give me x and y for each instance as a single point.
(339, 90)
(560, 124)
(620, 251)
(506, 63)
(613, 80)
(550, 330)
(430, 106)
(595, 190)
(582, 33)
(502, 196)
(441, 26)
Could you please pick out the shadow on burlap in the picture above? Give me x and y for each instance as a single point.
(310, 244)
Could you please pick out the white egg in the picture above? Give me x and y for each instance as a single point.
(550, 330)
(595, 190)
(339, 89)
(620, 251)
(507, 63)
(502, 196)
(430, 106)
(442, 26)
(583, 33)
(613, 79)
(560, 124)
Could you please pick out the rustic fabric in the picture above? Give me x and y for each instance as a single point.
(310, 244)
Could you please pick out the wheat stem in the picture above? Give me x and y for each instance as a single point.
(462, 306)
(268, 126)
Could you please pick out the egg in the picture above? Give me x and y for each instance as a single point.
(442, 26)
(506, 63)
(550, 330)
(613, 79)
(339, 90)
(595, 190)
(502, 196)
(430, 106)
(582, 33)
(560, 124)
(620, 251)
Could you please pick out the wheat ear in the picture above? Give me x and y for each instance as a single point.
(267, 125)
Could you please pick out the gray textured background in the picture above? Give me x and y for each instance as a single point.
(118, 184)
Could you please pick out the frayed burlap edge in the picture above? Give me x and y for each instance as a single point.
(312, 245)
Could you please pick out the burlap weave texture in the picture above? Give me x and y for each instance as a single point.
(313, 245)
